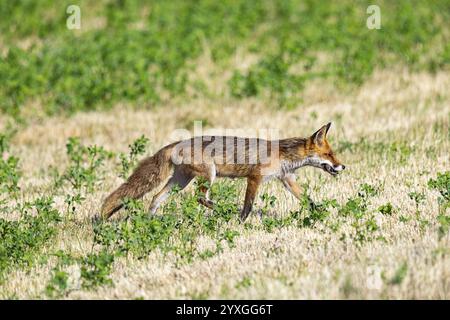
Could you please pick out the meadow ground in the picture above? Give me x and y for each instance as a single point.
(383, 235)
(80, 107)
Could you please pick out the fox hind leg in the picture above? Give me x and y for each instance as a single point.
(180, 179)
(252, 188)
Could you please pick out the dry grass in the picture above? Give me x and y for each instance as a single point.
(289, 263)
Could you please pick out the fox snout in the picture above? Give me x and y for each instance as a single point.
(332, 169)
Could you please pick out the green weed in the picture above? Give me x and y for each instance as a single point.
(441, 184)
(386, 209)
(444, 225)
(85, 161)
(399, 275)
(23, 239)
(96, 269)
(128, 161)
(9, 169)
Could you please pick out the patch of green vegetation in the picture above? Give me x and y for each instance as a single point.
(271, 223)
(85, 161)
(386, 209)
(399, 275)
(268, 203)
(58, 285)
(364, 225)
(404, 219)
(129, 161)
(23, 239)
(245, 282)
(347, 287)
(119, 63)
(96, 268)
(270, 74)
(309, 214)
(177, 230)
(143, 65)
(25, 226)
(295, 38)
(441, 184)
(444, 225)
(72, 201)
(138, 234)
(364, 230)
(314, 212)
(354, 213)
(355, 207)
(9, 169)
(418, 198)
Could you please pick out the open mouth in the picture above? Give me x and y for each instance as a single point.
(329, 169)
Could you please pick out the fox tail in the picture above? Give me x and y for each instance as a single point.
(150, 173)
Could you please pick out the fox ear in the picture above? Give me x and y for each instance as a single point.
(319, 136)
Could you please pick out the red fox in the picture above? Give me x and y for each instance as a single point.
(209, 157)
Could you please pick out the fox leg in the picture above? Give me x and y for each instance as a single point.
(252, 188)
(291, 185)
(209, 173)
(179, 178)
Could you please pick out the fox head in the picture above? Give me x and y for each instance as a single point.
(320, 154)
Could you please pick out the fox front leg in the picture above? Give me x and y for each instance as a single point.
(252, 188)
(204, 198)
(291, 185)
(207, 172)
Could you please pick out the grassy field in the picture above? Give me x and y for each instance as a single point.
(81, 107)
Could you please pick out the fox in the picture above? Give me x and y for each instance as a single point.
(209, 157)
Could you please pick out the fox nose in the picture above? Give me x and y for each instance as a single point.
(339, 167)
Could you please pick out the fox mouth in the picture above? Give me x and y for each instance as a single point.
(326, 167)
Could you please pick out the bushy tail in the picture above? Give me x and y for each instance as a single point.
(148, 175)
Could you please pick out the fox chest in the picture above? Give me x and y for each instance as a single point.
(270, 171)
(285, 168)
